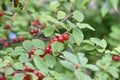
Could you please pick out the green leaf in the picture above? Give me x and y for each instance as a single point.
(98, 42)
(23, 58)
(27, 45)
(40, 64)
(48, 31)
(78, 16)
(9, 71)
(18, 76)
(39, 52)
(38, 43)
(71, 57)
(81, 76)
(105, 9)
(50, 60)
(83, 60)
(92, 67)
(3, 64)
(77, 35)
(114, 3)
(57, 47)
(60, 15)
(67, 65)
(72, 25)
(18, 66)
(3, 52)
(84, 25)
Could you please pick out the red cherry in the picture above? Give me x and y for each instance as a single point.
(31, 31)
(32, 51)
(6, 27)
(21, 38)
(35, 72)
(36, 31)
(51, 41)
(1, 13)
(38, 22)
(40, 76)
(65, 36)
(33, 23)
(6, 44)
(60, 38)
(25, 68)
(115, 58)
(47, 50)
(44, 26)
(30, 70)
(55, 39)
(50, 51)
(26, 77)
(2, 78)
(76, 66)
(42, 55)
(14, 40)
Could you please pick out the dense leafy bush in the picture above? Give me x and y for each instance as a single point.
(59, 40)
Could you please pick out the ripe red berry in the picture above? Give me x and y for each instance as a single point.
(14, 40)
(55, 39)
(42, 55)
(35, 72)
(31, 31)
(76, 66)
(47, 49)
(21, 38)
(60, 38)
(115, 58)
(6, 44)
(35, 31)
(1, 13)
(6, 27)
(32, 51)
(50, 51)
(65, 36)
(26, 77)
(25, 68)
(40, 76)
(33, 23)
(38, 22)
(44, 26)
(2, 78)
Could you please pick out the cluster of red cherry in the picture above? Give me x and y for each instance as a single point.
(25, 70)
(36, 23)
(62, 38)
